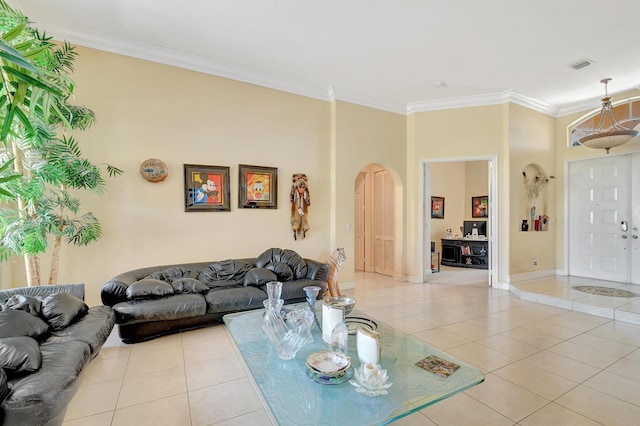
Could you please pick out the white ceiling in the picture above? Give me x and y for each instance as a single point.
(388, 54)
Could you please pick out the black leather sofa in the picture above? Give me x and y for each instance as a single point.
(47, 336)
(155, 301)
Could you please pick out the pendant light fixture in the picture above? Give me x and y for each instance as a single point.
(610, 137)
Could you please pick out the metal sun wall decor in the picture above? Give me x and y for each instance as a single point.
(300, 202)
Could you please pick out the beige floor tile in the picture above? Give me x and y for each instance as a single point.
(553, 329)
(578, 321)
(554, 414)
(584, 354)
(157, 384)
(141, 362)
(212, 372)
(94, 399)
(172, 411)
(508, 399)
(472, 330)
(462, 410)
(104, 369)
(532, 337)
(214, 333)
(255, 418)
(409, 325)
(562, 366)
(604, 345)
(509, 346)
(208, 349)
(481, 356)
(600, 407)
(536, 380)
(441, 339)
(626, 368)
(222, 402)
(113, 351)
(619, 332)
(615, 385)
(414, 419)
(160, 344)
(102, 419)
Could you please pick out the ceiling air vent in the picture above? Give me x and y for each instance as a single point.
(581, 64)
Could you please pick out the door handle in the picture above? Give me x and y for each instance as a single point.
(624, 227)
(635, 237)
(623, 236)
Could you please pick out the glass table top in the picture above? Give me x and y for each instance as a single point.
(293, 398)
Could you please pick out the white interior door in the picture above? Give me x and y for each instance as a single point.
(383, 223)
(598, 205)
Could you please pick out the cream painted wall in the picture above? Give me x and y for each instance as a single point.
(531, 141)
(145, 110)
(365, 136)
(448, 180)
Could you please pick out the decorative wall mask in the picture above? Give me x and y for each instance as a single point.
(154, 170)
(300, 201)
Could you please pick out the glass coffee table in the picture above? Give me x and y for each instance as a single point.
(293, 398)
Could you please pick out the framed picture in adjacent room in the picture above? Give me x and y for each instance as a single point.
(206, 188)
(258, 187)
(480, 206)
(437, 207)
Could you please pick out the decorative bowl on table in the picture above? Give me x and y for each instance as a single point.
(340, 302)
(329, 366)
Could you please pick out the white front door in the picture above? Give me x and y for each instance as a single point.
(599, 208)
(634, 225)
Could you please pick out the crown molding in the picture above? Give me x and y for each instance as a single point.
(175, 58)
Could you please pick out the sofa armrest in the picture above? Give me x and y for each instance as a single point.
(317, 270)
(4, 386)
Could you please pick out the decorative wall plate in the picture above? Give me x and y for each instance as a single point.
(154, 170)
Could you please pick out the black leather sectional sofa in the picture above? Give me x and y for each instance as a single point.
(47, 337)
(155, 301)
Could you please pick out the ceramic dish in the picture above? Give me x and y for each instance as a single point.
(348, 375)
(353, 323)
(328, 363)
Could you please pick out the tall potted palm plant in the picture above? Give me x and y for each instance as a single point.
(41, 163)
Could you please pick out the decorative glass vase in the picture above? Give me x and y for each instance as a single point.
(533, 215)
(288, 339)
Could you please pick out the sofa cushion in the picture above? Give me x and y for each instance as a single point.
(38, 397)
(171, 274)
(20, 323)
(93, 329)
(25, 303)
(189, 285)
(235, 299)
(259, 277)
(4, 385)
(148, 288)
(168, 308)
(282, 271)
(290, 257)
(61, 309)
(19, 355)
(225, 273)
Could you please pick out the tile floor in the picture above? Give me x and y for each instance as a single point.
(544, 364)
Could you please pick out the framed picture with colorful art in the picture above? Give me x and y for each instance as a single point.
(206, 188)
(480, 206)
(437, 207)
(258, 187)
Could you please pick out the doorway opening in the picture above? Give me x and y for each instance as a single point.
(467, 191)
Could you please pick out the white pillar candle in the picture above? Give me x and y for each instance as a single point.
(368, 346)
(330, 318)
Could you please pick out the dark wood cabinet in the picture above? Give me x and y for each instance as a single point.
(465, 253)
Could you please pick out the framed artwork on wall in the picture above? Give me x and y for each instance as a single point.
(258, 187)
(480, 206)
(437, 207)
(206, 188)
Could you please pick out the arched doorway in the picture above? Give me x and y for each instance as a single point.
(378, 221)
